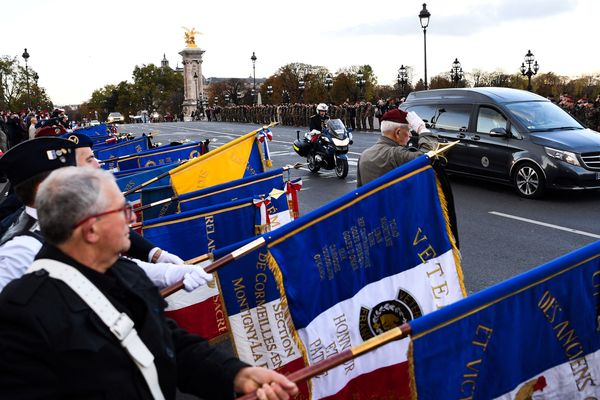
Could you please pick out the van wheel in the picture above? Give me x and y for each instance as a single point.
(528, 181)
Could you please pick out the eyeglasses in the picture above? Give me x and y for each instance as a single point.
(127, 210)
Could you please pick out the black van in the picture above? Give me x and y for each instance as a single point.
(511, 136)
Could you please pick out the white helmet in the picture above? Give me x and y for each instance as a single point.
(322, 107)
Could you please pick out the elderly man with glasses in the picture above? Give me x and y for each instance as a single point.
(85, 322)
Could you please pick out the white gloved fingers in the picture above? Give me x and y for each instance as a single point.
(166, 257)
(196, 278)
(415, 122)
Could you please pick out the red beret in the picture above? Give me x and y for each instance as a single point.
(395, 115)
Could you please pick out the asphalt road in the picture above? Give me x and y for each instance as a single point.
(501, 234)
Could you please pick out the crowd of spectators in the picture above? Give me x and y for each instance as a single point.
(585, 110)
(18, 127)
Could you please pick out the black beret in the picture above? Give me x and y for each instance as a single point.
(80, 139)
(35, 156)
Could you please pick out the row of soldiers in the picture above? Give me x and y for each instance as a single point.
(360, 115)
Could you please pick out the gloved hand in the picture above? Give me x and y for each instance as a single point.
(193, 276)
(415, 122)
(164, 274)
(163, 257)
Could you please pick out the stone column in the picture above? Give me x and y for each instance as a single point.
(192, 63)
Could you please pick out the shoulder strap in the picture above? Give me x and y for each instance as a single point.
(119, 323)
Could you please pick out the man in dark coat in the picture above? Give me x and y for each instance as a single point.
(56, 345)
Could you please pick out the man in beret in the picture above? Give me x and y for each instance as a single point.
(26, 166)
(390, 151)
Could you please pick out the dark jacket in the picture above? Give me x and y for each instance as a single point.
(54, 346)
(385, 155)
(316, 122)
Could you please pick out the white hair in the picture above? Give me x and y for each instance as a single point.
(67, 196)
(390, 126)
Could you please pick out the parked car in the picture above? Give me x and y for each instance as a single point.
(115, 118)
(511, 136)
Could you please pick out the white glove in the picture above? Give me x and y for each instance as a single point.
(415, 122)
(164, 274)
(164, 257)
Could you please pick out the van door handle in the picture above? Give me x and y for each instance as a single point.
(461, 135)
(476, 137)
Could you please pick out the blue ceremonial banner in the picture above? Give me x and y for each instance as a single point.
(121, 149)
(154, 194)
(535, 336)
(98, 130)
(253, 185)
(197, 232)
(351, 270)
(130, 181)
(162, 155)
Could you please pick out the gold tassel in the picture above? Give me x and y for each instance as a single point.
(411, 372)
(455, 251)
(276, 271)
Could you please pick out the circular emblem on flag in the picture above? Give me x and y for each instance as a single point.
(388, 315)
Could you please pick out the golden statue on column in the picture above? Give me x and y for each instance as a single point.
(190, 37)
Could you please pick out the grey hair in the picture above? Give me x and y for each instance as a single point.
(389, 126)
(68, 196)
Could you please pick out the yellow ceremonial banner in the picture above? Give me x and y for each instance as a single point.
(234, 160)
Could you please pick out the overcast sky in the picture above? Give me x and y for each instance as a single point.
(78, 46)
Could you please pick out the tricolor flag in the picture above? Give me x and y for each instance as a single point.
(534, 336)
(374, 259)
(202, 231)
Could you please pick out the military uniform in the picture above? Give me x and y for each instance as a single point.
(385, 155)
(55, 347)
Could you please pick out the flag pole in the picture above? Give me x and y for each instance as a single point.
(234, 255)
(192, 162)
(311, 371)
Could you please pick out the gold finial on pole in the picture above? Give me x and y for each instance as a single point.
(190, 37)
(441, 149)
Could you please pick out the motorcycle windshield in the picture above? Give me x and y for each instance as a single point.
(336, 128)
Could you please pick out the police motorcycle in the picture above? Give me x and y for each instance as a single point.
(327, 149)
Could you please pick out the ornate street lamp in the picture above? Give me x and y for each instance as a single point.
(269, 92)
(301, 87)
(25, 56)
(253, 58)
(531, 69)
(216, 100)
(360, 82)
(226, 98)
(402, 78)
(328, 85)
(456, 72)
(197, 98)
(424, 18)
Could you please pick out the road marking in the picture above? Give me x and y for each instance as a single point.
(532, 221)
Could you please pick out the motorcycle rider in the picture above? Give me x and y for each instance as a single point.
(317, 123)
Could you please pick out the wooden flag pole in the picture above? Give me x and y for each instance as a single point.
(234, 255)
(311, 371)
